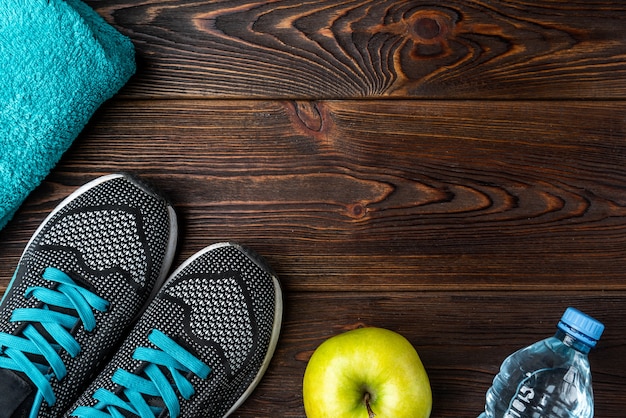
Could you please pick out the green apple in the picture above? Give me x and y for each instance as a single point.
(366, 373)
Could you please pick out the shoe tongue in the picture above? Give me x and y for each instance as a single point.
(17, 395)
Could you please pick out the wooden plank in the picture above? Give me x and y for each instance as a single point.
(461, 337)
(357, 195)
(352, 49)
(467, 226)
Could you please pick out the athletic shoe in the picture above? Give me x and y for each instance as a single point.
(201, 346)
(84, 276)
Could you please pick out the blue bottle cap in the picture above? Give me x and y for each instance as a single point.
(581, 326)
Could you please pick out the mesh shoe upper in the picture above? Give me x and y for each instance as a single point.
(222, 308)
(96, 258)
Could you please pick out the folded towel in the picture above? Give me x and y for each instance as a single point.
(59, 61)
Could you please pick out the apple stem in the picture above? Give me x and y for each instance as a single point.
(366, 398)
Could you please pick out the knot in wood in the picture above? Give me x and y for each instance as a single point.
(309, 115)
(427, 28)
(357, 211)
(430, 26)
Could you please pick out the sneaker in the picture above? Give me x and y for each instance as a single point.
(201, 346)
(83, 277)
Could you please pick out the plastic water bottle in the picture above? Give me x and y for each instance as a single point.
(550, 378)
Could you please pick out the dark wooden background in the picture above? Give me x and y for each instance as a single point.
(451, 170)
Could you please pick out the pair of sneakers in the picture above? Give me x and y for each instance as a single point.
(93, 325)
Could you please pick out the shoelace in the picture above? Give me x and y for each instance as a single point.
(15, 350)
(169, 356)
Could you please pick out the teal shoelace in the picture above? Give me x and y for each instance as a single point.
(36, 355)
(169, 358)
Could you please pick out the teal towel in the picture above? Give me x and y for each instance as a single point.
(59, 61)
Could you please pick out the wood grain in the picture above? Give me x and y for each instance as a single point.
(461, 338)
(451, 170)
(350, 49)
(356, 195)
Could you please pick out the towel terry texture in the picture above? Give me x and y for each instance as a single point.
(59, 61)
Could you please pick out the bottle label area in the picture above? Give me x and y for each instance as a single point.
(543, 393)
